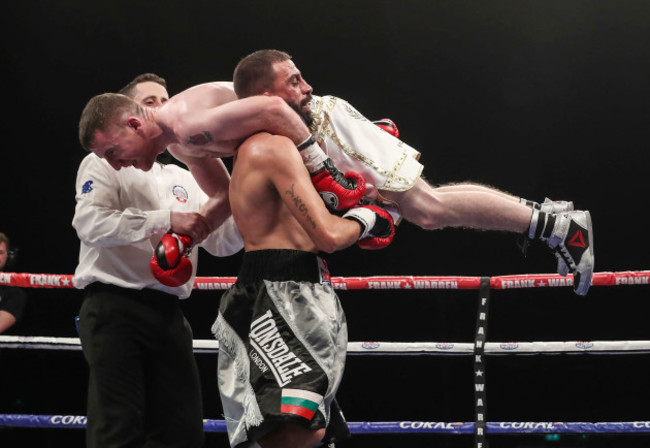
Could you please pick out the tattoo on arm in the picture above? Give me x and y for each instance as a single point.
(200, 139)
(300, 205)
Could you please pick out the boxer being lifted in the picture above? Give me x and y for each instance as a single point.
(392, 172)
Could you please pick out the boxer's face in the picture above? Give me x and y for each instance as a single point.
(291, 87)
(125, 143)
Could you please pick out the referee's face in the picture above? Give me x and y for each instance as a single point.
(150, 94)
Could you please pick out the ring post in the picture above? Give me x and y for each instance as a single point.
(480, 440)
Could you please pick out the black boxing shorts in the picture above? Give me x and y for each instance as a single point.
(282, 346)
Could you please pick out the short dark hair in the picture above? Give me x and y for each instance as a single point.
(99, 113)
(129, 89)
(254, 74)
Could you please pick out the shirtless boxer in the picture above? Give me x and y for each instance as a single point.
(198, 126)
(281, 329)
(392, 173)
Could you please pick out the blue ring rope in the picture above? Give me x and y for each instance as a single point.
(398, 427)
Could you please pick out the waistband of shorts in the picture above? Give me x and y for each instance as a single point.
(282, 265)
(145, 294)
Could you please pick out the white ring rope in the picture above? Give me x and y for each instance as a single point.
(386, 348)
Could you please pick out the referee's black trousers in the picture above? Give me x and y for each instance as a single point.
(144, 387)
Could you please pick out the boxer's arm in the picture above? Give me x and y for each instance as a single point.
(378, 229)
(236, 120)
(212, 176)
(192, 224)
(224, 239)
(232, 121)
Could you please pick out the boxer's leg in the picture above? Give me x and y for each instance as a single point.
(475, 208)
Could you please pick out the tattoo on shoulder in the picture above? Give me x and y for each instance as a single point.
(300, 205)
(200, 139)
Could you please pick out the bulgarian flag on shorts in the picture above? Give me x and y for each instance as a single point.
(300, 402)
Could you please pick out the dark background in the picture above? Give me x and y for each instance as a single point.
(539, 98)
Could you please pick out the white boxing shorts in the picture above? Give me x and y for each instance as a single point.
(354, 143)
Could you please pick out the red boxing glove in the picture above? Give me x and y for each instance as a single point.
(387, 125)
(169, 264)
(339, 191)
(377, 227)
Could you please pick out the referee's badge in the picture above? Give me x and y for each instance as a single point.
(180, 193)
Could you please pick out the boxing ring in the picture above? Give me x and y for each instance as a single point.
(479, 350)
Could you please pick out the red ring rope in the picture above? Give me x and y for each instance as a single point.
(27, 280)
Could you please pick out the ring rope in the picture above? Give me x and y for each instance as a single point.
(27, 280)
(479, 427)
(401, 427)
(387, 348)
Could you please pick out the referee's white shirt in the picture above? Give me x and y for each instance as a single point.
(120, 217)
